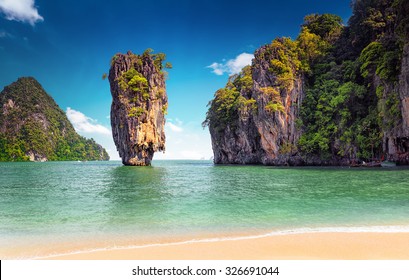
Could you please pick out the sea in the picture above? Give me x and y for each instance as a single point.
(57, 208)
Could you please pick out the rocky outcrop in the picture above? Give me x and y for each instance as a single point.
(139, 105)
(404, 90)
(263, 130)
(337, 95)
(34, 128)
(396, 141)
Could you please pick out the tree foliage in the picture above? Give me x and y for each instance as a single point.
(344, 113)
(32, 123)
(350, 75)
(327, 26)
(230, 101)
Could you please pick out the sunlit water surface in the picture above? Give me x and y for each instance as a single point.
(68, 201)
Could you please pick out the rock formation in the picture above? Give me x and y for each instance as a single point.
(139, 105)
(33, 127)
(261, 122)
(334, 96)
(396, 140)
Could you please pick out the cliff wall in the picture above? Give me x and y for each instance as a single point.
(262, 129)
(336, 95)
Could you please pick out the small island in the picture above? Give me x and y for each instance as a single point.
(34, 128)
(139, 105)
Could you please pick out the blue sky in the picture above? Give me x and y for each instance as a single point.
(67, 46)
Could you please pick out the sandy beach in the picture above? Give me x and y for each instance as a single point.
(302, 246)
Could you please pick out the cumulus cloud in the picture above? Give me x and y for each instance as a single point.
(232, 66)
(85, 124)
(20, 10)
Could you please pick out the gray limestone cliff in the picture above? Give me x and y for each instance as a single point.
(139, 105)
(336, 95)
(396, 139)
(259, 127)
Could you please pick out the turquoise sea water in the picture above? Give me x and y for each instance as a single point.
(64, 201)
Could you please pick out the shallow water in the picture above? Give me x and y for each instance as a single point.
(66, 201)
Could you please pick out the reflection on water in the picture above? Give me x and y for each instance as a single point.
(137, 196)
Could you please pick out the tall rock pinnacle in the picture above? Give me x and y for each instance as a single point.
(139, 105)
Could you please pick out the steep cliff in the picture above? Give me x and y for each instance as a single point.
(139, 105)
(33, 127)
(335, 95)
(252, 120)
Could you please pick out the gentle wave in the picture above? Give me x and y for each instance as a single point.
(363, 229)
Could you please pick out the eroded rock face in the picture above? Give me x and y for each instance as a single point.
(396, 141)
(334, 96)
(269, 137)
(139, 104)
(264, 129)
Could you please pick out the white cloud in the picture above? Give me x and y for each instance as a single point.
(4, 34)
(85, 124)
(218, 68)
(20, 10)
(174, 127)
(232, 66)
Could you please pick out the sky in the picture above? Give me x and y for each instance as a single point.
(67, 46)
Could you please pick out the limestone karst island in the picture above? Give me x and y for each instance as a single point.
(336, 95)
(274, 115)
(139, 105)
(34, 128)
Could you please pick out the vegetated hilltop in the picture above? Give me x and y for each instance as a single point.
(33, 127)
(334, 95)
(139, 105)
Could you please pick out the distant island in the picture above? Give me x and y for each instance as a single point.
(34, 128)
(333, 96)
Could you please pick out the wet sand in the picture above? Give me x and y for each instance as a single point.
(300, 246)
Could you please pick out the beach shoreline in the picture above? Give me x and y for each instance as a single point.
(352, 245)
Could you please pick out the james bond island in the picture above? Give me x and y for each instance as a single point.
(139, 105)
(336, 95)
(294, 130)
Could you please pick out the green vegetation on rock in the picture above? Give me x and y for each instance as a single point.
(349, 77)
(33, 127)
(347, 109)
(229, 102)
(136, 112)
(139, 105)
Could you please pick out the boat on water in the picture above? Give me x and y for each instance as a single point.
(374, 164)
(387, 163)
(371, 164)
(355, 163)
